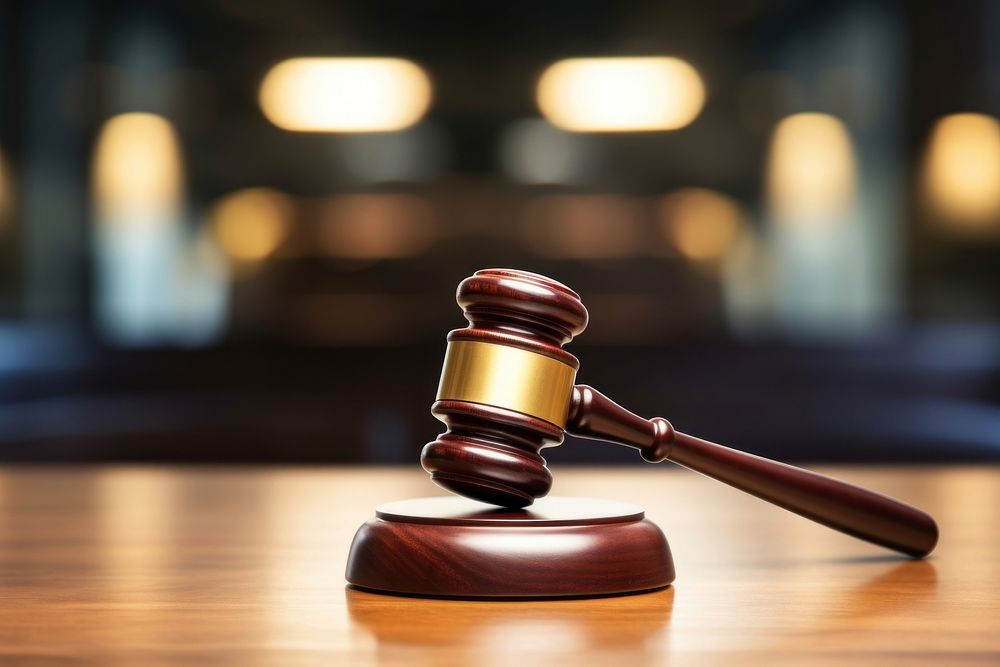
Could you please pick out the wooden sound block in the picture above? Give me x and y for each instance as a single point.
(558, 547)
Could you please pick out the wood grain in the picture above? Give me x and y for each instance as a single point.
(489, 452)
(499, 419)
(848, 508)
(560, 547)
(245, 566)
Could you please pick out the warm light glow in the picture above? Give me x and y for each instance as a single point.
(251, 224)
(375, 226)
(962, 170)
(811, 170)
(136, 516)
(345, 94)
(137, 166)
(703, 225)
(620, 94)
(583, 227)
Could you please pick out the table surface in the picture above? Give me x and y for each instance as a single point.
(245, 566)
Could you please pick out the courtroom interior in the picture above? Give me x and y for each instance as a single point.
(231, 235)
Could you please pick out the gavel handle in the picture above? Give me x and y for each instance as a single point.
(844, 507)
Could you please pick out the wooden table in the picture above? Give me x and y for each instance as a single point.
(244, 566)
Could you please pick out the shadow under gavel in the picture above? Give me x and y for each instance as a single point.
(508, 391)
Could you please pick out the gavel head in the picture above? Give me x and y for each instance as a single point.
(506, 387)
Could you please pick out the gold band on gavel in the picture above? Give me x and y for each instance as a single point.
(507, 377)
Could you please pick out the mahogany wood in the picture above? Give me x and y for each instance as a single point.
(493, 454)
(453, 547)
(839, 505)
(490, 453)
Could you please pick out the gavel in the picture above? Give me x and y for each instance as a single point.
(508, 390)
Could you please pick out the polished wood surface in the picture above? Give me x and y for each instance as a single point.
(245, 566)
(561, 546)
(845, 507)
(490, 451)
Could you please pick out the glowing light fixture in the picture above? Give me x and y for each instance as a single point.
(962, 170)
(703, 225)
(250, 224)
(345, 94)
(811, 170)
(620, 94)
(137, 167)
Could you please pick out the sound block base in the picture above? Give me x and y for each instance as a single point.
(558, 547)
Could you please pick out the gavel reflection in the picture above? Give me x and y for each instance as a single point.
(584, 624)
(507, 391)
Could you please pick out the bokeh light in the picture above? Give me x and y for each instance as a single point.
(534, 151)
(583, 227)
(376, 226)
(811, 167)
(962, 171)
(137, 166)
(703, 225)
(621, 94)
(345, 94)
(251, 224)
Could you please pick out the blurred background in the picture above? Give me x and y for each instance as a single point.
(231, 230)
